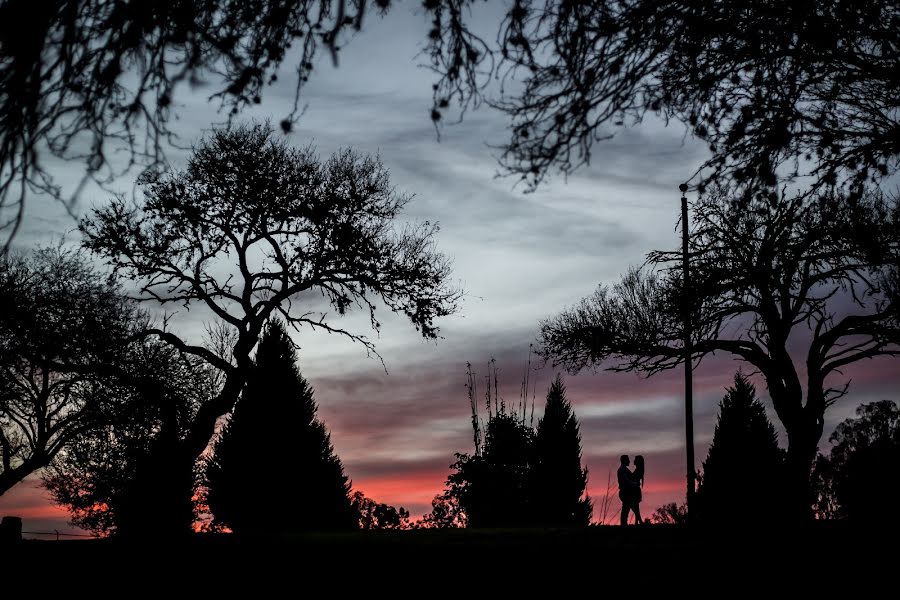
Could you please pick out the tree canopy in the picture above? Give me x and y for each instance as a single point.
(856, 477)
(374, 515)
(253, 229)
(761, 270)
(64, 332)
(82, 80)
(806, 88)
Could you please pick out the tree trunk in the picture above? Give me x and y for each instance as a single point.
(803, 439)
(160, 501)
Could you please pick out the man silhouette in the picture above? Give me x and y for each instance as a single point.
(627, 487)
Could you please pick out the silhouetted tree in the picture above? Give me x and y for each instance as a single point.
(61, 323)
(494, 486)
(274, 451)
(761, 83)
(559, 480)
(83, 79)
(494, 489)
(742, 473)
(446, 513)
(760, 269)
(860, 472)
(670, 514)
(119, 476)
(518, 475)
(500, 492)
(377, 515)
(809, 86)
(249, 229)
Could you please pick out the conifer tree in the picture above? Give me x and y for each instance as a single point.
(273, 466)
(742, 474)
(559, 479)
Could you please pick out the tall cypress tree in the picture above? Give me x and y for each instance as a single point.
(273, 466)
(559, 479)
(742, 475)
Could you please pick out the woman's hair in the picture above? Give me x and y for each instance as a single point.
(639, 468)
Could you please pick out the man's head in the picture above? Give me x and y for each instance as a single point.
(624, 460)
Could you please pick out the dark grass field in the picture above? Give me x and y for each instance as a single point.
(818, 558)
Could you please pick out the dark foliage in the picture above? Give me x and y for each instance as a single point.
(249, 230)
(760, 269)
(63, 329)
(374, 515)
(742, 474)
(446, 513)
(858, 479)
(121, 477)
(671, 514)
(85, 79)
(810, 86)
(274, 452)
(520, 476)
(493, 487)
(559, 479)
(496, 486)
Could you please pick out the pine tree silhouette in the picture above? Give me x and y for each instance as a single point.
(559, 479)
(742, 474)
(273, 467)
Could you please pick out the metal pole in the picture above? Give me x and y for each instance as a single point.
(688, 370)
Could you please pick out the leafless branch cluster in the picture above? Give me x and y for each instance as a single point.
(87, 80)
(806, 85)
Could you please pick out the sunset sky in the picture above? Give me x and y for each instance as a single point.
(520, 257)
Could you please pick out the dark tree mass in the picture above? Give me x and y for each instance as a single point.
(742, 474)
(63, 330)
(518, 476)
(273, 466)
(374, 515)
(559, 478)
(808, 86)
(859, 473)
(496, 486)
(249, 230)
(122, 475)
(761, 268)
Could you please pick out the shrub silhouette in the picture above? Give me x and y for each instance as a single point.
(519, 476)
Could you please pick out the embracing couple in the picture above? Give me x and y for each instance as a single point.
(630, 484)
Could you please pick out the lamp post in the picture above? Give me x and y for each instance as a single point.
(688, 370)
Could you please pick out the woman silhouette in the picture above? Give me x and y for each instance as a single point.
(638, 476)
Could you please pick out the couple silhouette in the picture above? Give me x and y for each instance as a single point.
(630, 484)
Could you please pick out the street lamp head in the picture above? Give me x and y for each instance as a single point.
(683, 188)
